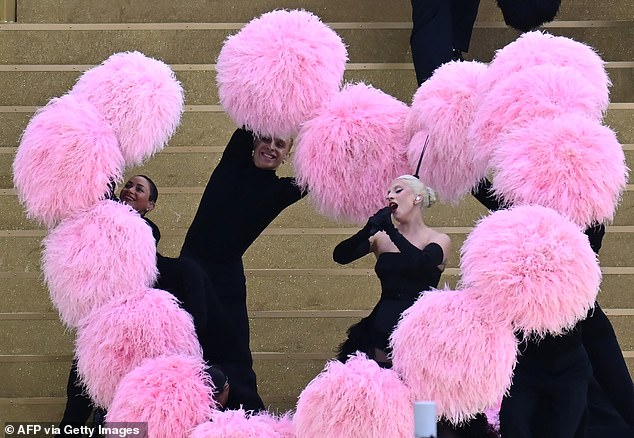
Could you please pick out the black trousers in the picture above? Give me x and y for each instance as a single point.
(222, 327)
(603, 419)
(610, 373)
(78, 404)
(548, 397)
(439, 27)
(226, 344)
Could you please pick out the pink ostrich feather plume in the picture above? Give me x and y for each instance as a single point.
(447, 350)
(540, 48)
(278, 70)
(540, 91)
(238, 424)
(282, 424)
(94, 257)
(349, 153)
(444, 108)
(141, 99)
(532, 267)
(117, 338)
(355, 399)
(65, 139)
(172, 394)
(571, 164)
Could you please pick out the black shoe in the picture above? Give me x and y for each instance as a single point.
(456, 55)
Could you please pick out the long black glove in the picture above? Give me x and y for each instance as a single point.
(595, 235)
(358, 245)
(482, 192)
(380, 220)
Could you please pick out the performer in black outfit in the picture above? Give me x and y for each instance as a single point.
(140, 193)
(403, 275)
(410, 259)
(185, 280)
(241, 199)
(441, 32)
(549, 396)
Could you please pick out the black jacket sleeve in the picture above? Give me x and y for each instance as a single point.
(595, 234)
(482, 192)
(240, 146)
(290, 192)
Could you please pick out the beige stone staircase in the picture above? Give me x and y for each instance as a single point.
(300, 301)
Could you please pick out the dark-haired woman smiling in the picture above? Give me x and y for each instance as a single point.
(140, 193)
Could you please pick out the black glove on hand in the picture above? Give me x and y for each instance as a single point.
(380, 220)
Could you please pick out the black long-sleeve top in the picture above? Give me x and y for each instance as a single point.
(550, 345)
(239, 202)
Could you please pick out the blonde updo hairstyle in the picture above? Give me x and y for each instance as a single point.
(428, 195)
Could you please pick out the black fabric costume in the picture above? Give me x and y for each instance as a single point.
(239, 202)
(403, 276)
(573, 385)
(79, 406)
(190, 285)
(441, 31)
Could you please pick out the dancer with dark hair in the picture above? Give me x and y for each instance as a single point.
(241, 199)
(189, 284)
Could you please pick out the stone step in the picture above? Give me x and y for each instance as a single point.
(288, 290)
(212, 127)
(319, 334)
(291, 290)
(177, 206)
(319, 337)
(35, 389)
(179, 44)
(288, 250)
(196, 11)
(23, 87)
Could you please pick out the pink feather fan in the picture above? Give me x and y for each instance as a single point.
(278, 70)
(65, 140)
(443, 108)
(571, 164)
(355, 399)
(118, 337)
(446, 349)
(92, 258)
(141, 99)
(171, 394)
(531, 267)
(540, 91)
(349, 153)
(540, 48)
(239, 424)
